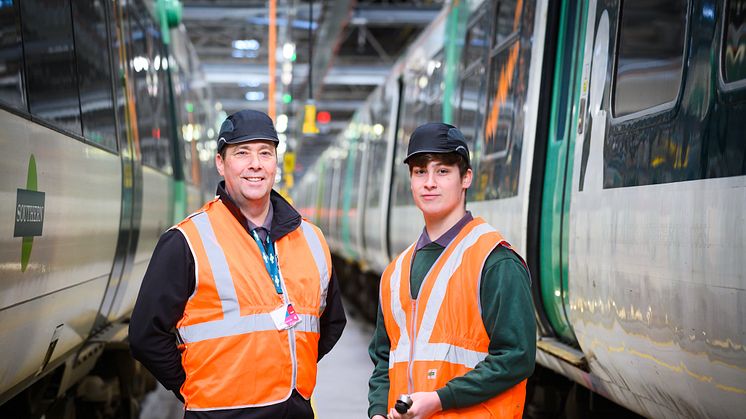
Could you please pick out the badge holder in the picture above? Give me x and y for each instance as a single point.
(285, 317)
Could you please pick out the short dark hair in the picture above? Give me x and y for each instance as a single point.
(423, 159)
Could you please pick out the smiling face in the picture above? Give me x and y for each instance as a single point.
(439, 189)
(249, 170)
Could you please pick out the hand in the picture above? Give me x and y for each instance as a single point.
(424, 405)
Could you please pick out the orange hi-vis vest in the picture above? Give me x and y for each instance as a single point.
(233, 354)
(440, 335)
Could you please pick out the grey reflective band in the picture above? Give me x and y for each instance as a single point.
(319, 256)
(308, 323)
(242, 325)
(227, 327)
(401, 353)
(441, 282)
(449, 353)
(218, 265)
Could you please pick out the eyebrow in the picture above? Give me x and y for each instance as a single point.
(262, 147)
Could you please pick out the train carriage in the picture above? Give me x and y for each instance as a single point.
(97, 161)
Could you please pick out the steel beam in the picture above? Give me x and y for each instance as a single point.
(366, 15)
(366, 75)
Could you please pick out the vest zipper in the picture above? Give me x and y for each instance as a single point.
(291, 331)
(410, 380)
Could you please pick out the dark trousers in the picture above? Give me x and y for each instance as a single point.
(296, 407)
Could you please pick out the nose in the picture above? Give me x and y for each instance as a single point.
(254, 162)
(430, 180)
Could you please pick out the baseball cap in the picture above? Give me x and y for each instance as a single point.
(246, 125)
(437, 137)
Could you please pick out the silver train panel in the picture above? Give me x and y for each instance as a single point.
(658, 293)
(78, 209)
(62, 284)
(55, 323)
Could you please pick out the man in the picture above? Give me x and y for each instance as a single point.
(249, 289)
(455, 327)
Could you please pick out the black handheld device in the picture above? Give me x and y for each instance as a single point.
(403, 404)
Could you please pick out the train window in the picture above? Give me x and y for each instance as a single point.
(507, 20)
(50, 62)
(94, 71)
(734, 42)
(471, 106)
(499, 121)
(435, 87)
(500, 131)
(188, 109)
(118, 40)
(150, 103)
(11, 56)
(477, 39)
(650, 54)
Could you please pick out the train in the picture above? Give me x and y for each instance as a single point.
(107, 139)
(607, 145)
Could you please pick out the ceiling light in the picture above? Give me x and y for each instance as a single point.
(254, 96)
(246, 44)
(288, 50)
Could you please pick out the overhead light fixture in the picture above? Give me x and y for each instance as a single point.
(288, 50)
(246, 44)
(282, 123)
(254, 96)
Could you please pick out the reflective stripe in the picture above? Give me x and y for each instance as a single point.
(218, 265)
(232, 323)
(440, 286)
(319, 256)
(242, 325)
(449, 353)
(227, 327)
(308, 323)
(401, 353)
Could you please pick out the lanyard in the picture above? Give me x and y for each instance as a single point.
(270, 260)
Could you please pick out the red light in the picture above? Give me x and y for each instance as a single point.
(323, 117)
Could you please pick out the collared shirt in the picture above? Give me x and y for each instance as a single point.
(264, 229)
(446, 238)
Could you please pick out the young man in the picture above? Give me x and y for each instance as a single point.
(248, 287)
(455, 325)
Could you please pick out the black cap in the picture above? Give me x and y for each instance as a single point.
(437, 137)
(246, 125)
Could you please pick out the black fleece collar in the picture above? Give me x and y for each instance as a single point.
(285, 218)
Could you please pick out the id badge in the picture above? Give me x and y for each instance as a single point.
(285, 317)
(291, 317)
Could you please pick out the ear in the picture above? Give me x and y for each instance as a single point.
(220, 164)
(466, 180)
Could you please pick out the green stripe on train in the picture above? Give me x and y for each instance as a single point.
(28, 241)
(554, 239)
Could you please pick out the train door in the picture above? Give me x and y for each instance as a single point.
(131, 169)
(555, 202)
